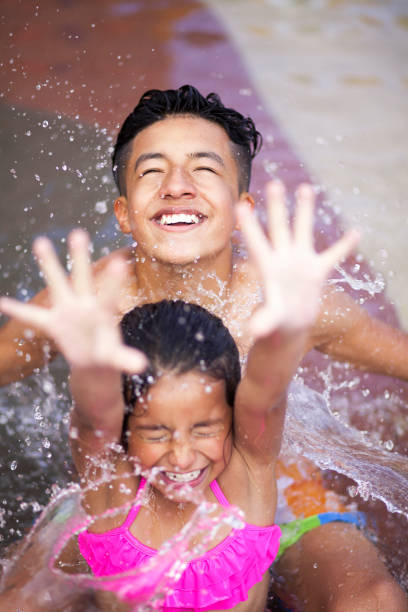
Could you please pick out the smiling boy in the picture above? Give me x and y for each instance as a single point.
(182, 162)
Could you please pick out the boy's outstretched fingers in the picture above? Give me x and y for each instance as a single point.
(78, 243)
(49, 264)
(340, 250)
(304, 216)
(34, 316)
(278, 221)
(129, 360)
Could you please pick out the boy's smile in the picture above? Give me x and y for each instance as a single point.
(181, 191)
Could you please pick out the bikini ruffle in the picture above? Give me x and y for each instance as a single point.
(218, 580)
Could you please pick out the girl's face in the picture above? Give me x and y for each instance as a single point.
(183, 427)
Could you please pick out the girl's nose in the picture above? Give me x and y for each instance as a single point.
(177, 184)
(182, 455)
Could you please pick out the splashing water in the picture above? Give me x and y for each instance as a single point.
(371, 286)
(311, 430)
(33, 574)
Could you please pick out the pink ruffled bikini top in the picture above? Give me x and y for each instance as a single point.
(216, 580)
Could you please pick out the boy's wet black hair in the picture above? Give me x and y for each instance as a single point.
(178, 337)
(156, 105)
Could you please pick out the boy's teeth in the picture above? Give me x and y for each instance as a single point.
(188, 477)
(178, 218)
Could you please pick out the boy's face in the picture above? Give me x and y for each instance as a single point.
(181, 191)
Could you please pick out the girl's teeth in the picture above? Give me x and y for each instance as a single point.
(188, 477)
(178, 218)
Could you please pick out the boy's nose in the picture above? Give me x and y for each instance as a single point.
(177, 183)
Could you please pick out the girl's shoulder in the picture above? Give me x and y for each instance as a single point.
(250, 487)
(110, 500)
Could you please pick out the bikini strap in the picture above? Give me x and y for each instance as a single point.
(219, 495)
(134, 510)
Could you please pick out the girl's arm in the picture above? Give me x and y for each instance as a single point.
(292, 275)
(82, 325)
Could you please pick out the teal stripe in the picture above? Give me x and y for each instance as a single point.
(293, 531)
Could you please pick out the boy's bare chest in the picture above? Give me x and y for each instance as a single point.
(233, 305)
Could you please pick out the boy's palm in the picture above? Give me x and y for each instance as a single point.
(81, 323)
(291, 272)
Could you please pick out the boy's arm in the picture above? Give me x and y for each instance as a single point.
(292, 275)
(347, 332)
(24, 348)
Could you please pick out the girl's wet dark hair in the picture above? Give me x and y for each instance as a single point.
(178, 337)
(156, 105)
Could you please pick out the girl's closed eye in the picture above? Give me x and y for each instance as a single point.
(153, 434)
(207, 431)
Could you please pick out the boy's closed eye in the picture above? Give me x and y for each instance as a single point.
(150, 171)
(206, 168)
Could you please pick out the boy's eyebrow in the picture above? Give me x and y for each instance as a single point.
(145, 156)
(209, 154)
(197, 155)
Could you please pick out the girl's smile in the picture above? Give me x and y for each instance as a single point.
(179, 479)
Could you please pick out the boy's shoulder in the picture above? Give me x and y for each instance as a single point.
(244, 282)
(129, 292)
(100, 264)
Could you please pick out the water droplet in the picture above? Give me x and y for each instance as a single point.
(47, 386)
(101, 207)
(73, 433)
(45, 123)
(13, 465)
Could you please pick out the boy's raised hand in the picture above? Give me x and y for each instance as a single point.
(290, 270)
(80, 322)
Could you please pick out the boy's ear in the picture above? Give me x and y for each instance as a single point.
(120, 208)
(248, 200)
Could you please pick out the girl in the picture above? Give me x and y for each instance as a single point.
(186, 418)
